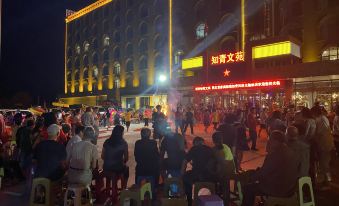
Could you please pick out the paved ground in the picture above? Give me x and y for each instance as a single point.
(14, 195)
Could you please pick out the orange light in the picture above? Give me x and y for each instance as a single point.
(247, 85)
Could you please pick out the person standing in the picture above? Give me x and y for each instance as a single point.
(76, 120)
(207, 119)
(128, 118)
(96, 124)
(189, 120)
(263, 121)
(147, 116)
(252, 126)
(336, 131)
(179, 120)
(159, 123)
(87, 119)
(215, 118)
(79, 134)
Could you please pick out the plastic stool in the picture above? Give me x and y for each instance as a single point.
(170, 181)
(282, 201)
(174, 201)
(144, 189)
(305, 181)
(77, 198)
(41, 194)
(132, 195)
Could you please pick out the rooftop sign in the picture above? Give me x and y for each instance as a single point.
(191, 63)
(276, 49)
(247, 85)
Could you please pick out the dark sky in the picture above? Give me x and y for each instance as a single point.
(33, 46)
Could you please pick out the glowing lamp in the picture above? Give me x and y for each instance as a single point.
(162, 78)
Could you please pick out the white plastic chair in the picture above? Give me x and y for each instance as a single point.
(305, 181)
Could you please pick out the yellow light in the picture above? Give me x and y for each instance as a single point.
(170, 40)
(192, 62)
(66, 82)
(270, 50)
(243, 27)
(189, 74)
(86, 10)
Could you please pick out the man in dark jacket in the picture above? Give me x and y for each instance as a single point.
(279, 174)
(228, 130)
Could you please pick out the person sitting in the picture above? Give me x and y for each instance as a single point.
(300, 148)
(79, 134)
(115, 155)
(83, 159)
(279, 174)
(199, 155)
(173, 145)
(50, 156)
(147, 158)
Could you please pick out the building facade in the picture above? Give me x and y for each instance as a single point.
(118, 49)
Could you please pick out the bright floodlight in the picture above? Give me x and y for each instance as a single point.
(162, 78)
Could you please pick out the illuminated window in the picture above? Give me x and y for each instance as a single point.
(117, 83)
(95, 72)
(117, 69)
(86, 46)
(77, 49)
(201, 31)
(331, 53)
(178, 56)
(106, 41)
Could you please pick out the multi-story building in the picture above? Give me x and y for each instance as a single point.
(266, 52)
(114, 50)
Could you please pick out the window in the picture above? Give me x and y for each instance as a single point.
(76, 75)
(95, 72)
(116, 53)
(86, 46)
(77, 49)
(105, 26)
(158, 62)
(86, 62)
(95, 44)
(77, 36)
(143, 11)
(158, 24)
(117, 83)
(130, 3)
(129, 17)
(144, 102)
(178, 56)
(143, 29)
(77, 63)
(85, 73)
(117, 69)
(117, 6)
(106, 41)
(69, 64)
(69, 52)
(94, 30)
(117, 38)
(129, 33)
(105, 71)
(129, 49)
(106, 56)
(129, 66)
(117, 22)
(201, 31)
(331, 53)
(129, 82)
(143, 47)
(158, 43)
(95, 58)
(143, 64)
(69, 77)
(143, 80)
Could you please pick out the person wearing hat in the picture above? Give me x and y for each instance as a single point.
(50, 156)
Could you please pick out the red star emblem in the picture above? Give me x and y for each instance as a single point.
(227, 73)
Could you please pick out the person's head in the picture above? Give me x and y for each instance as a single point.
(89, 134)
(229, 118)
(79, 130)
(217, 138)
(117, 132)
(88, 109)
(29, 116)
(49, 119)
(77, 111)
(306, 112)
(277, 139)
(198, 141)
(95, 109)
(30, 123)
(39, 123)
(145, 133)
(53, 131)
(17, 119)
(301, 127)
(276, 115)
(292, 133)
(158, 107)
(316, 111)
(66, 128)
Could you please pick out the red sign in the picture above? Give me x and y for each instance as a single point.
(228, 58)
(248, 85)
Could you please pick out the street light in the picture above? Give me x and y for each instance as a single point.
(162, 78)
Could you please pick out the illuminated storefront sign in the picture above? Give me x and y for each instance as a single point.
(192, 62)
(248, 85)
(276, 49)
(228, 58)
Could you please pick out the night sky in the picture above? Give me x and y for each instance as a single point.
(33, 46)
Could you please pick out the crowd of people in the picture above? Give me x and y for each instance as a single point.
(300, 144)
